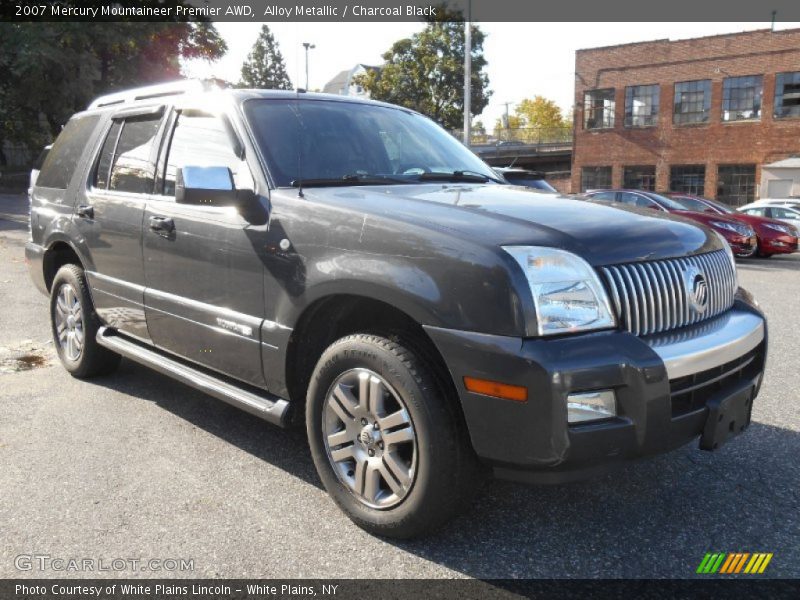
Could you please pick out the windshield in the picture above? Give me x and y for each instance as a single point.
(691, 204)
(724, 208)
(667, 202)
(329, 142)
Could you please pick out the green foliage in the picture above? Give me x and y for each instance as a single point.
(539, 112)
(49, 71)
(265, 67)
(532, 119)
(426, 73)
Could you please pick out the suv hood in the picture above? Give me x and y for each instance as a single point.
(501, 215)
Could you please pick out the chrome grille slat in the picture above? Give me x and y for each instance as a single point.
(651, 297)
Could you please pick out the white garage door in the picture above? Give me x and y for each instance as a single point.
(779, 188)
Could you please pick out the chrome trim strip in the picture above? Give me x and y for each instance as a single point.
(709, 344)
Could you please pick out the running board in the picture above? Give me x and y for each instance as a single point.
(268, 407)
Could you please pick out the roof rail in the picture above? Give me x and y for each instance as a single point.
(173, 88)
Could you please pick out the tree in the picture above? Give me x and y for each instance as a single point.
(539, 112)
(426, 73)
(264, 67)
(49, 71)
(533, 120)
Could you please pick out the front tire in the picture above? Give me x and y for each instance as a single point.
(74, 324)
(385, 438)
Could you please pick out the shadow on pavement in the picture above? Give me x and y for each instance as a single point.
(774, 263)
(653, 518)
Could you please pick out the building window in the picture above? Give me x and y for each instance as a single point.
(641, 105)
(692, 102)
(595, 178)
(787, 95)
(736, 184)
(599, 108)
(741, 98)
(639, 178)
(688, 179)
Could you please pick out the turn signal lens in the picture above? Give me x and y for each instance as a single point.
(496, 389)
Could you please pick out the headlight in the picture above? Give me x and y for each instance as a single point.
(787, 229)
(734, 227)
(566, 291)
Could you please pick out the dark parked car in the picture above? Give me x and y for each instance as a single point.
(349, 265)
(526, 178)
(740, 236)
(774, 236)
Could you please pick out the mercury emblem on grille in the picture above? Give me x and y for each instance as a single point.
(696, 289)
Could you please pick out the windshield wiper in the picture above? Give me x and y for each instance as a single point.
(457, 176)
(345, 180)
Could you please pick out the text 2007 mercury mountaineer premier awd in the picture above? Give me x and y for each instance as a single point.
(348, 265)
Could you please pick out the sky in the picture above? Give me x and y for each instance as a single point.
(524, 59)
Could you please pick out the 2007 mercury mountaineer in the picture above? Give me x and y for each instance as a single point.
(349, 264)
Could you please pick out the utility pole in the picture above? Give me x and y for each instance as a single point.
(506, 104)
(468, 77)
(308, 47)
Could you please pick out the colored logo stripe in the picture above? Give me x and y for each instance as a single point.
(734, 562)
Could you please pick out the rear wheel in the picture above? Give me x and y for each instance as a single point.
(386, 441)
(75, 324)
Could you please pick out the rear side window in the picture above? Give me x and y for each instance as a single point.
(61, 161)
(132, 167)
(103, 170)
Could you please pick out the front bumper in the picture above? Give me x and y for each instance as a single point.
(664, 385)
(778, 244)
(741, 245)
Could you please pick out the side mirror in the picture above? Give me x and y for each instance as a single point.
(207, 186)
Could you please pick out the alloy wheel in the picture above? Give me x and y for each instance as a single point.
(69, 322)
(370, 438)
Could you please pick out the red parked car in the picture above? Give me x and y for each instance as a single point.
(774, 237)
(740, 236)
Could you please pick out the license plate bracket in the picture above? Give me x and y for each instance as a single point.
(728, 416)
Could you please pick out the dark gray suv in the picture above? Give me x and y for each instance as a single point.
(349, 265)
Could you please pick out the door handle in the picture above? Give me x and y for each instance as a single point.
(162, 225)
(85, 211)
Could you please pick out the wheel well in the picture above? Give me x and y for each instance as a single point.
(334, 317)
(58, 255)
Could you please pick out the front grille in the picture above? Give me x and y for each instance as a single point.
(650, 297)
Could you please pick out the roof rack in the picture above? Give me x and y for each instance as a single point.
(173, 88)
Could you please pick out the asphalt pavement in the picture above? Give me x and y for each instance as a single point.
(137, 466)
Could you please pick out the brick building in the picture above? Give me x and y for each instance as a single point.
(700, 115)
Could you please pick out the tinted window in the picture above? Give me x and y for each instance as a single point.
(636, 200)
(133, 170)
(200, 141)
(607, 196)
(103, 168)
(531, 182)
(63, 157)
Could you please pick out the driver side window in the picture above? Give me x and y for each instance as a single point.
(201, 140)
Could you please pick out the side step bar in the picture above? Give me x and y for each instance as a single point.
(268, 407)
